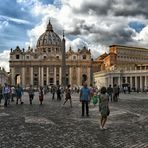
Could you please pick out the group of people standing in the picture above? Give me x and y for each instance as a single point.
(113, 93)
(104, 96)
(8, 93)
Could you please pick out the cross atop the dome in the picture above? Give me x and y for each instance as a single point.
(63, 34)
(49, 27)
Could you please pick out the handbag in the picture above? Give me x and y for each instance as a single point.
(95, 100)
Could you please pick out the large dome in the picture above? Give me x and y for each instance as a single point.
(49, 39)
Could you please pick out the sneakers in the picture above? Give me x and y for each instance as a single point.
(101, 127)
(105, 128)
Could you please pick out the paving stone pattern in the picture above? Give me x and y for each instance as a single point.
(53, 125)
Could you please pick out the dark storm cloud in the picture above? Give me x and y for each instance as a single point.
(116, 7)
(109, 13)
(94, 6)
(120, 36)
(131, 8)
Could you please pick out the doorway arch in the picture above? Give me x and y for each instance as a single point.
(17, 79)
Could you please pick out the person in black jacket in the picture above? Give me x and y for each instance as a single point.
(68, 95)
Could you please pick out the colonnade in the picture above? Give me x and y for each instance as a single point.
(138, 82)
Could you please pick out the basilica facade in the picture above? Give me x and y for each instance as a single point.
(49, 64)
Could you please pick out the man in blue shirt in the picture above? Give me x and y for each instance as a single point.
(85, 98)
(19, 93)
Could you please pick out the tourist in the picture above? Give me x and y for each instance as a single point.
(19, 93)
(92, 91)
(6, 94)
(68, 95)
(53, 90)
(58, 93)
(115, 93)
(103, 107)
(41, 95)
(31, 94)
(110, 92)
(85, 98)
(12, 93)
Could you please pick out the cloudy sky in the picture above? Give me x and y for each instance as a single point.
(92, 23)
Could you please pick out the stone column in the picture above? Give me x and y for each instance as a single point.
(146, 84)
(47, 75)
(119, 81)
(42, 76)
(23, 77)
(79, 77)
(131, 82)
(55, 76)
(60, 76)
(31, 75)
(70, 75)
(136, 82)
(88, 75)
(39, 76)
(141, 83)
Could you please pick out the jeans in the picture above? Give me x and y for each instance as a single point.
(110, 97)
(6, 97)
(85, 106)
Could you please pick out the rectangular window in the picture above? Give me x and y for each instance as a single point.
(27, 57)
(51, 80)
(17, 56)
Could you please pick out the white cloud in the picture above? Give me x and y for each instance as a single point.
(142, 37)
(4, 59)
(27, 2)
(3, 24)
(95, 28)
(19, 21)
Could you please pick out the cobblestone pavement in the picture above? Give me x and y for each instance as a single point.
(53, 125)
